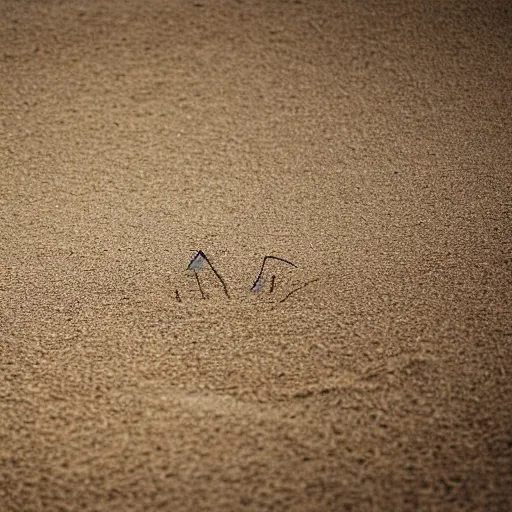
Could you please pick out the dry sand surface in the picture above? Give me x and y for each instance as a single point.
(369, 143)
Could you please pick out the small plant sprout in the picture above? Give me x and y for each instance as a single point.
(197, 263)
(259, 282)
(264, 280)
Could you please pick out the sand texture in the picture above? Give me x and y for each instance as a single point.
(368, 143)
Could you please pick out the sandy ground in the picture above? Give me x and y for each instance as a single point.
(369, 143)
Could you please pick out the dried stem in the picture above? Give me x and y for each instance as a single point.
(297, 289)
(263, 266)
(201, 254)
(199, 284)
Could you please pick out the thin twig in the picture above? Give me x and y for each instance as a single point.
(297, 289)
(273, 284)
(199, 284)
(178, 298)
(219, 277)
(201, 254)
(263, 266)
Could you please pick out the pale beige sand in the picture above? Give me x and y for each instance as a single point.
(368, 143)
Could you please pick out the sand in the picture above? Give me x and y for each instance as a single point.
(368, 143)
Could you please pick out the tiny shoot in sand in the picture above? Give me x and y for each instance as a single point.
(197, 263)
(259, 284)
(200, 261)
